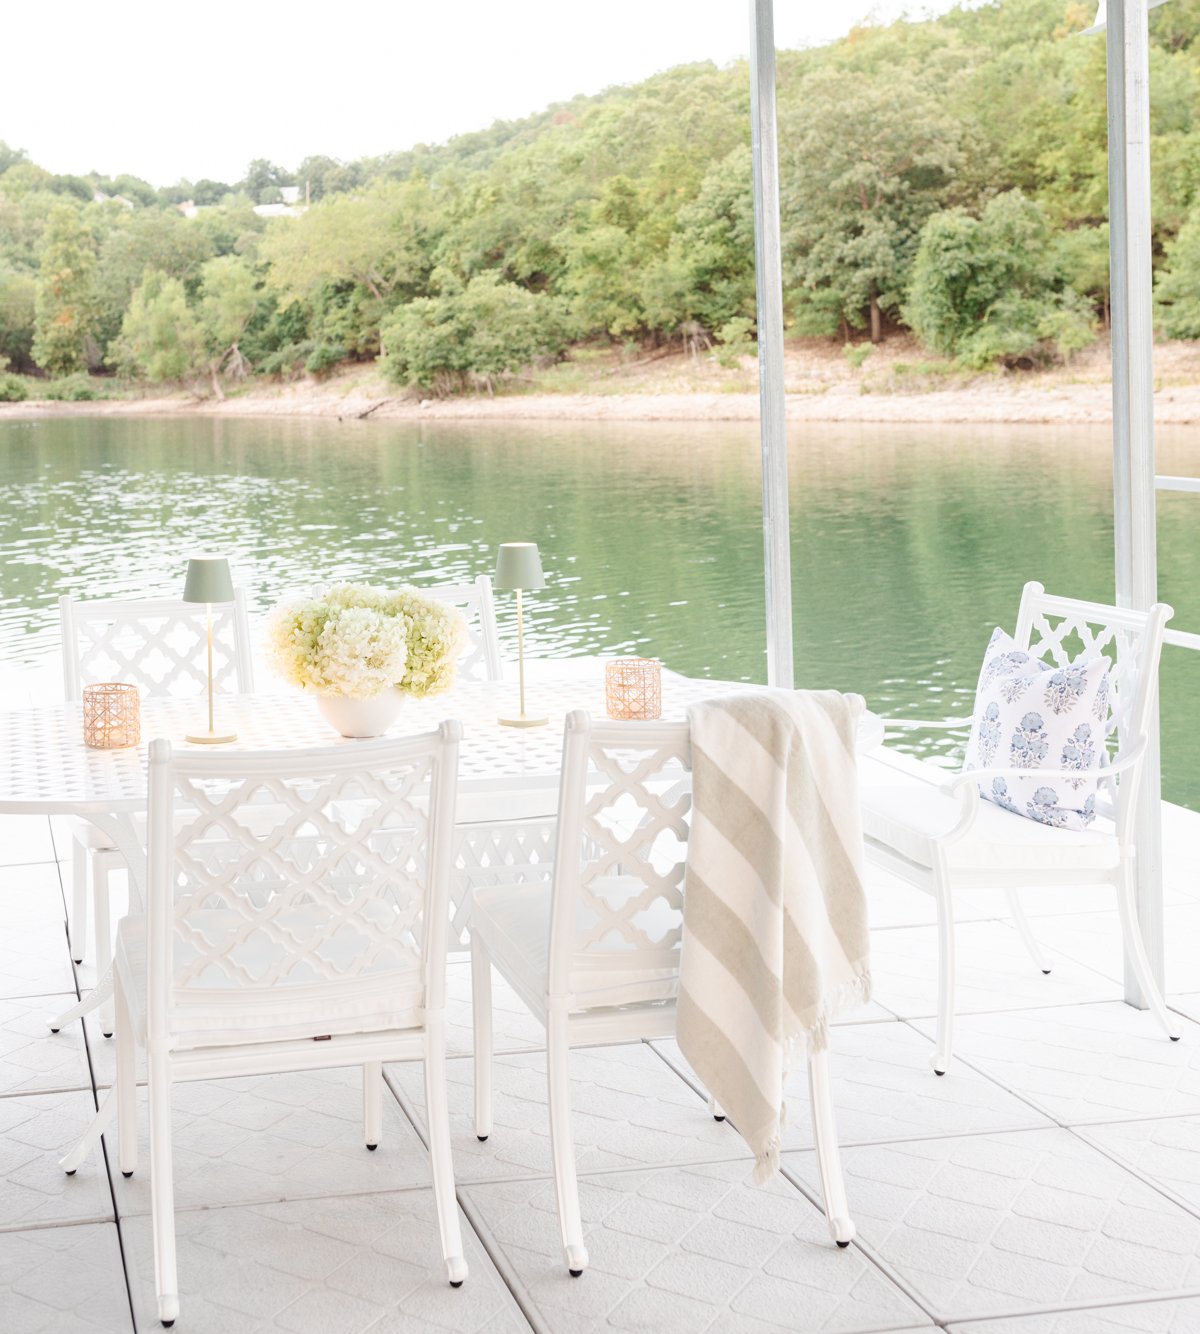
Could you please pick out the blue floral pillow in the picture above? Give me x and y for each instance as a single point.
(1032, 715)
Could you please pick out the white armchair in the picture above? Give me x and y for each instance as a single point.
(934, 832)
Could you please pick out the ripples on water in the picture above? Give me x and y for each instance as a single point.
(909, 543)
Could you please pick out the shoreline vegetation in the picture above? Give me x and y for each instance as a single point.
(943, 234)
(824, 383)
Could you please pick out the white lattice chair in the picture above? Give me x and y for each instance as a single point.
(297, 920)
(489, 852)
(933, 831)
(595, 954)
(481, 661)
(160, 646)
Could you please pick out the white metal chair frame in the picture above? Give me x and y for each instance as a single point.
(108, 640)
(358, 844)
(1133, 642)
(600, 959)
(482, 661)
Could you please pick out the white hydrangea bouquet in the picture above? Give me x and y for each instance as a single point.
(356, 642)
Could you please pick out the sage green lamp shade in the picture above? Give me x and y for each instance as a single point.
(208, 580)
(518, 565)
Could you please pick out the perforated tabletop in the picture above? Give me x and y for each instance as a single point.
(45, 766)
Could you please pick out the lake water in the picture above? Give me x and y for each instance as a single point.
(909, 543)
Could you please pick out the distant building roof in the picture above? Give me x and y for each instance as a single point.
(278, 210)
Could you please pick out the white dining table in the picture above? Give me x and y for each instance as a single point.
(504, 772)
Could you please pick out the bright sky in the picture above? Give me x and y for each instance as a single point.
(169, 90)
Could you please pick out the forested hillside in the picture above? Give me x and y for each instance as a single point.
(948, 177)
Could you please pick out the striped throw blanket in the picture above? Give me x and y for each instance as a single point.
(774, 923)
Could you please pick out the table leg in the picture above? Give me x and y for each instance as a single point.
(120, 830)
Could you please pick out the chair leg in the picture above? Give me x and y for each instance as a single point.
(829, 1159)
(1136, 949)
(90, 1002)
(481, 1014)
(126, 1082)
(162, 1187)
(372, 1104)
(1021, 922)
(437, 1110)
(940, 1060)
(562, 1144)
(103, 936)
(715, 1108)
(79, 902)
(71, 1161)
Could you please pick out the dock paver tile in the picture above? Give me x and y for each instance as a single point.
(35, 1131)
(657, 1259)
(341, 1265)
(1085, 1063)
(963, 1221)
(63, 1280)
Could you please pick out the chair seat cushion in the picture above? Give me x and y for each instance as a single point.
(908, 813)
(513, 922)
(232, 1015)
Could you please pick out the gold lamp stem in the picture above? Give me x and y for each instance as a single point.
(210, 737)
(522, 719)
(521, 650)
(208, 619)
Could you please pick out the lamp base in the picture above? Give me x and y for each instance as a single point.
(211, 738)
(523, 720)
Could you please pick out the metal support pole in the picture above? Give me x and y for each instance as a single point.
(1128, 45)
(768, 281)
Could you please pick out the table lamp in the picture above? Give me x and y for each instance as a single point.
(519, 567)
(209, 581)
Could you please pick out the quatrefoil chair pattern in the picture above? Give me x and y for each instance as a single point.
(935, 832)
(297, 919)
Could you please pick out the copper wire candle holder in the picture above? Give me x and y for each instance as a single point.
(112, 715)
(633, 688)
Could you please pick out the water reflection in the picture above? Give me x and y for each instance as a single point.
(909, 543)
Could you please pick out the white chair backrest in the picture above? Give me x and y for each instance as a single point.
(481, 661)
(1060, 630)
(623, 814)
(278, 880)
(158, 645)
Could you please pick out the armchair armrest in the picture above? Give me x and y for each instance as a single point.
(1125, 761)
(941, 724)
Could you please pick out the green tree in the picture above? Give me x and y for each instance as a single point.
(867, 161)
(207, 193)
(65, 306)
(707, 274)
(1177, 291)
(320, 176)
(374, 242)
(160, 336)
(18, 312)
(9, 157)
(228, 300)
(486, 329)
(263, 179)
(990, 288)
(155, 239)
